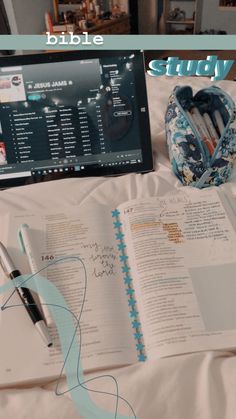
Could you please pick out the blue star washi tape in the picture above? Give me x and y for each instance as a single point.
(129, 291)
(127, 280)
(136, 324)
(117, 224)
(138, 335)
(142, 358)
(139, 346)
(133, 314)
(115, 213)
(119, 236)
(121, 246)
(132, 303)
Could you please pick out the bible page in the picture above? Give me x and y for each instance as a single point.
(182, 256)
(95, 278)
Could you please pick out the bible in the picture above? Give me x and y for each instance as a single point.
(154, 277)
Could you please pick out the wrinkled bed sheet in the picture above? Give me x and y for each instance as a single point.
(194, 386)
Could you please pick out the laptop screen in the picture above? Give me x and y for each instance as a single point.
(73, 114)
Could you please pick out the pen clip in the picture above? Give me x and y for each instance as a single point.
(20, 238)
(2, 264)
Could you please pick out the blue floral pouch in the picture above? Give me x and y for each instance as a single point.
(189, 155)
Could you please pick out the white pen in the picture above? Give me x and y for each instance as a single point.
(25, 296)
(26, 246)
(202, 129)
(219, 121)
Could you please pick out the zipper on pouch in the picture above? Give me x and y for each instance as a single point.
(213, 157)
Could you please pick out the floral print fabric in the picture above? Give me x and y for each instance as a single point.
(188, 155)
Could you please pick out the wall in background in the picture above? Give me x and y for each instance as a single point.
(10, 15)
(214, 18)
(27, 16)
(124, 4)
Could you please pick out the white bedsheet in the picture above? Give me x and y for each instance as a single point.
(195, 386)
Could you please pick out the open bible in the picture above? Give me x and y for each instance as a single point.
(155, 277)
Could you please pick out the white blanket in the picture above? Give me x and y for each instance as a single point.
(195, 386)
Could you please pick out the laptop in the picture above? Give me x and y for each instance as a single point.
(79, 113)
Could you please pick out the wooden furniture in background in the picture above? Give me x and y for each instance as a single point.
(191, 24)
(119, 26)
(56, 10)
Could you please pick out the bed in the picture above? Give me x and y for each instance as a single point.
(193, 386)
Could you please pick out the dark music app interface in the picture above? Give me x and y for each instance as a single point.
(69, 115)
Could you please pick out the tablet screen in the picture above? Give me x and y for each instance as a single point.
(73, 114)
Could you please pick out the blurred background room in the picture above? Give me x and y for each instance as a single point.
(118, 16)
